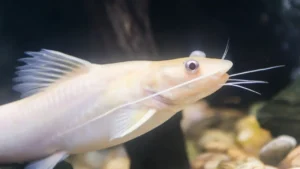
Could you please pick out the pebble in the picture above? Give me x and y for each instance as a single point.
(193, 115)
(209, 160)
(216, 140)
(251, 136)
(237, 154)
(292, 160)
(271, 167)
(89, 160)
(191, 149)
(103, 159)
(227, 165)
(230, 140)
(200, 116)
(277, 149)
(251, 163)
(118, 163)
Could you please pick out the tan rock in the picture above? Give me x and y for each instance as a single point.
(89, 160)
(292, 160)
(100, 159)
(250, 136)
(200, 117)
(270, 167)
(195, 113)
(237, 154)
(216, 140)
(191, 149)
(208, 160)
(118, 163)
(251, 163)
(276, 150)
(227, 165)
(197, 164)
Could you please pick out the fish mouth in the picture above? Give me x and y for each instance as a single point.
(165, 101)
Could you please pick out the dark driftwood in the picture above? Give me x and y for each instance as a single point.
(130, 20)
(163, 147)
(281, 115)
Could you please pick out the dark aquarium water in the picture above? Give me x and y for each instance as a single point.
(231, 128)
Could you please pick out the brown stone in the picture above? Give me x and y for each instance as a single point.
(216, 140)
(250, 136)
(237, 154)
(291, 160)
(208, 160)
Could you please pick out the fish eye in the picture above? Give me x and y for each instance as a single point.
(191, 65)
(198, 53)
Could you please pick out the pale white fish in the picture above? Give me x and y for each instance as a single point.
(72, 106)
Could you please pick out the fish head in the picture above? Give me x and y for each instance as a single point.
(186, 80)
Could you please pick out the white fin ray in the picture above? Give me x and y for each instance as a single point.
(36, 62)
(29, 86)
(65, 57)
(47, 56)
(48, 162)
(31, 92)
(43, 69)
(33, 78)
(125, 122)
(32, 72)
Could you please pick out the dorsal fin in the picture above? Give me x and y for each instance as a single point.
(43, 69)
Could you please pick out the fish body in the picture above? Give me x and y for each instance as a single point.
(72, 106)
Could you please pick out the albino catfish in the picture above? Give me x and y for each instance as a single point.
(72, 106)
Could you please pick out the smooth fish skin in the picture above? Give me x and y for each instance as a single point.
(72, 106)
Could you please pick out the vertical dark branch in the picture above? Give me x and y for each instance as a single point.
(102, 36)
(125, 29)
(130, 20)
(131, 24)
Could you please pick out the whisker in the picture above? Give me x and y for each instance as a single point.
(244, 80)
(242, 87)
(256, 70)
(253, 82)
(226, 49)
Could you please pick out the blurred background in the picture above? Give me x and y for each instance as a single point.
(262, 33)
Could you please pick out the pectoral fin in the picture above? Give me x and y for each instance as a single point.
(48, 162)
(128, 121)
